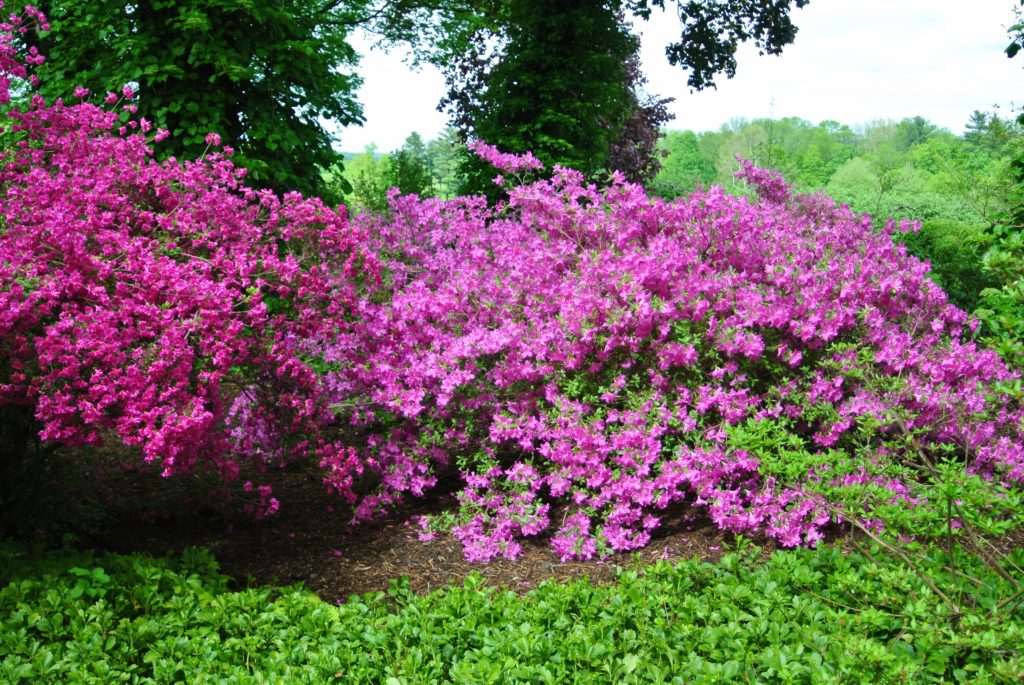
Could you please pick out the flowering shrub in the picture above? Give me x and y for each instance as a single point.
(584, 359)
(135, 296)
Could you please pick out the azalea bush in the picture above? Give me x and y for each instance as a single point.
(583, 359)
(138, 299)
(579, 363)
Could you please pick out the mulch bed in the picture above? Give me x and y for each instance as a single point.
(310, 539)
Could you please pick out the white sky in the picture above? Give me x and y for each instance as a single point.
(853, 61)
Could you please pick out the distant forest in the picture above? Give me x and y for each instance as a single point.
(906, 169)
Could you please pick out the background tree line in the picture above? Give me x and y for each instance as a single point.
(905, 169)
(910, 169)
(272, 77)
(427, 169)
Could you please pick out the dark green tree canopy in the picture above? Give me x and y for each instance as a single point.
(710, 31)
(561, 79)
(409, 168)
(559, 89)
(263, 74)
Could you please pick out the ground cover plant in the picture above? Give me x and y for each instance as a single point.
(801, 616)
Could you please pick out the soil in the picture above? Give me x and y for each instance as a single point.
(310, 540)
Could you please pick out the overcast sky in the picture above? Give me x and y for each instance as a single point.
(853, 61)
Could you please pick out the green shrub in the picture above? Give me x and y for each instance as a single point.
(956, 252)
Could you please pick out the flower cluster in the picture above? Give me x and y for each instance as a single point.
(584, 359)
(509, 163)
(136, 296)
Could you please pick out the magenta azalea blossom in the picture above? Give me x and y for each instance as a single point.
(137, 297)
(613, 347)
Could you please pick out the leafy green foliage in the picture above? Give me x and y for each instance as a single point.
(261, 74)
(559, 89)
(410, 169)
(445, 161)
(955, 251)
(683, 168)
(800, 616)
(361, 181)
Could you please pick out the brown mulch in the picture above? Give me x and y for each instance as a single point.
(310, 540)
